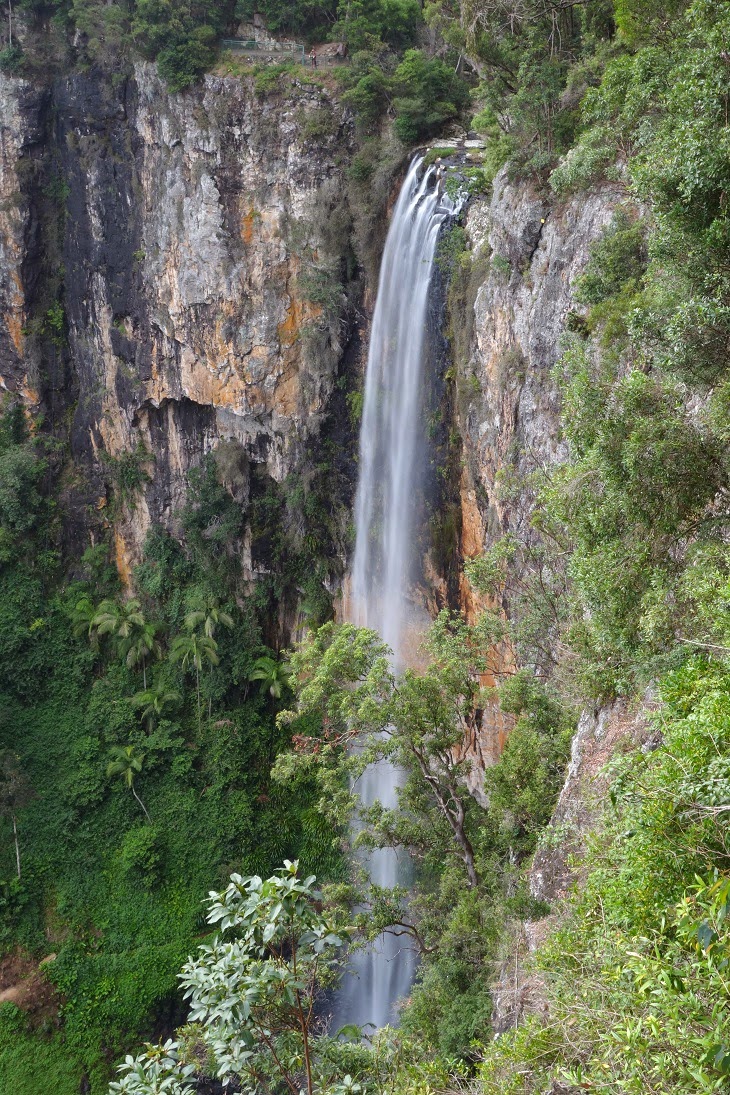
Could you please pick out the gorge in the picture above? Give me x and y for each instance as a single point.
(261, 385)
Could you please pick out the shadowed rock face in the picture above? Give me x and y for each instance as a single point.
(189, 235)
(537, 248)
(21, 130)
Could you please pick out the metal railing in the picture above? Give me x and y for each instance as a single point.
(327, 58)
(250, 45)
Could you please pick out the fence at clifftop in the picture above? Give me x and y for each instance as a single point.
(331, 53)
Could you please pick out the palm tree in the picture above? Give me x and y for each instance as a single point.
(133, 636)
(154, 702)
(140, 644)
(15, 794)
(127, 762)
(210, 615)
(118, 620)
(193, 650)
(82, 619)
(274, 675)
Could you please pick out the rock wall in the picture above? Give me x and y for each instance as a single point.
(557, 865)
(20, 132)
(197, 249)
(531, 248)
(536, 247)
(200, 245)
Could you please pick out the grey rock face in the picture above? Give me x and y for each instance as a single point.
(537, 247)
(20, 131)
(532, 249)
(202, 240)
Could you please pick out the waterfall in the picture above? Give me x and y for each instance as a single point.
(390, 489)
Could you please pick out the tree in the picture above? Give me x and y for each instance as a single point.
(252, 995)
(283, 16)
(210, 615)
(15, 794)
(120, 621)
(153, 703)
(368, 24)
(127, 762)
(193, 650)
(82, 620)
(21, 498)
(183, 37)
(273, 675)
(419, 721)
(132, 635)
(138, 647)
(429, 93)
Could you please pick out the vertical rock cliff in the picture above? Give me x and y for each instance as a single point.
(532, 247)
(175, 271)
(527, 250)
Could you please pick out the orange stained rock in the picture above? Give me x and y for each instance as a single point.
(247, 226)
(15, 330)
(121, 557)
(288, 392)
(298, 314)
(472, 544)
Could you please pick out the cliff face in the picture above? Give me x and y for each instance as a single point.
(200, 286)
(528, 248)
(20, 130)
(192, 252)
(533, 247)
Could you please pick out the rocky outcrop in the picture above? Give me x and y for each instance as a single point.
(204, 294)
(21, 110)
(556, 867)
(532, 248)
(527, 250)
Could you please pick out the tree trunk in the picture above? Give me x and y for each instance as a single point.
(139, 800)
(10, 43)
(17, 846)
(453, 810)
(456, 820)
(197, 686)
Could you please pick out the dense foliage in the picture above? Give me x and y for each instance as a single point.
(628, 555)
(636, 976)
(139, 735)
(144, 733)
(252, 994)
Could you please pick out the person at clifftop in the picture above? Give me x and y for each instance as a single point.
(313, 59)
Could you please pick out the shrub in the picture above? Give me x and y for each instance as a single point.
(141, 853)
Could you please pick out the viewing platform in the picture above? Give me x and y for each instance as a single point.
(254, 41)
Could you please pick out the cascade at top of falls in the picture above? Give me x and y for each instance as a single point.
(392, 435)
(392, 457)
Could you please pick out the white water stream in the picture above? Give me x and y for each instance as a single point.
(389, 493)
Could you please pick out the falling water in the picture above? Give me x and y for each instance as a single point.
(392, 457)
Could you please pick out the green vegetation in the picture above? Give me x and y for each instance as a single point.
(154, 746)
(636, 976)
(136, 780)
(251, 994)
(468, 855)
(244, 1019)
(624, 581)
